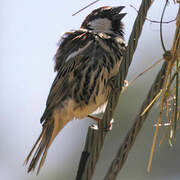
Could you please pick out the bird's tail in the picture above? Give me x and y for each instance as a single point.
(50, 130)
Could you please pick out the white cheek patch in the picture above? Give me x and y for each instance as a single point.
(101, 24)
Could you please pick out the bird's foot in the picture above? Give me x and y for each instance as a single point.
(98, 122)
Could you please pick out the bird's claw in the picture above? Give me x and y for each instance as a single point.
(109, 128)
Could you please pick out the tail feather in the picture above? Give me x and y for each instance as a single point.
(40, 148)
(49, 136)
(37, 142)
(51, 127)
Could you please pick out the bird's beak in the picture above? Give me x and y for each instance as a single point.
(117, 10)
(119, 16)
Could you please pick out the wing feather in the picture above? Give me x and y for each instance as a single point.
(61, 85)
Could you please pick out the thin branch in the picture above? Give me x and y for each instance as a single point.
(85, 7)
(153, 21)
(161, 36)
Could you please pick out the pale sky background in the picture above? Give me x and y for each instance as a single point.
(28, 34)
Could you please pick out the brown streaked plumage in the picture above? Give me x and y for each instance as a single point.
(85, 62)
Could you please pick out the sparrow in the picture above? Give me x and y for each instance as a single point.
(86, 61)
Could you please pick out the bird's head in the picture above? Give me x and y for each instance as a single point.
(105, 19)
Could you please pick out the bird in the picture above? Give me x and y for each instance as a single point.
(86, 61)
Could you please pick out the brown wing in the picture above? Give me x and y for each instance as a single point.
(61, 86)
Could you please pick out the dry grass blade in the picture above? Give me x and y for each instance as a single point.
(151, 103)
(164, 136)
(176, 103)
(153, 144)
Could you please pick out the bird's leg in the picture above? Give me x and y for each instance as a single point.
(98, 121)
(94, 118)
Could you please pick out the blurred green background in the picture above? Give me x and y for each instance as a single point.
(29, 33)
